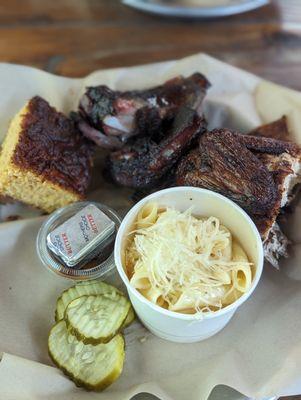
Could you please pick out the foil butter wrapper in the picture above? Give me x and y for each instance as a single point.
(81, 237)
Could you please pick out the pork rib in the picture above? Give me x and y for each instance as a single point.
(142, 164)
(121, 115)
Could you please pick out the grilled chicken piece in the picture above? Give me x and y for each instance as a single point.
(142, 164)
(110, 118)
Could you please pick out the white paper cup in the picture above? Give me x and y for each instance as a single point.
(187, 328)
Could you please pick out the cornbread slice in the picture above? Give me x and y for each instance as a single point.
(45, 161)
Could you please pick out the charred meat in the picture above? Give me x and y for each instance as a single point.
(258, 144)
(274, 130)
(157, 137)
(223, 164)
(281, 157)
(283, 161)
(110, 118)
(143, 163)
(286, 171)
(260, 174)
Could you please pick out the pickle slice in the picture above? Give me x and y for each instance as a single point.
(97, 318)
(129, 318)
(87, 288)
(81, 289)
(93, 367)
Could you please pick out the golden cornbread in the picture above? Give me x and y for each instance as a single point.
(45, 162)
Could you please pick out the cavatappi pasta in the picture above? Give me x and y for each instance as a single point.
(183, 263)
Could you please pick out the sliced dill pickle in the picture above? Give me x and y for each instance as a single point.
(129, 318)
(81, 289)
(97, 318)
(92, 367)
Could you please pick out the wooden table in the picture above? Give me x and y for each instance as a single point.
(75, 37)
